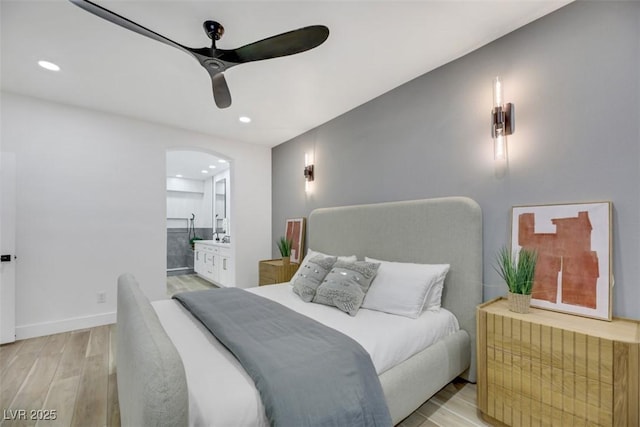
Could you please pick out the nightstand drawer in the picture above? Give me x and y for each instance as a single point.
(268, 276)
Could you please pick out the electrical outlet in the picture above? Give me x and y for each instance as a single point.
(102, 297)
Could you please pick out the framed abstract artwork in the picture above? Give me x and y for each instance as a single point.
(573, 242)
(294, 231)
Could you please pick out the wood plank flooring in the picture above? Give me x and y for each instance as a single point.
(74, 373)
(70, 377)
(453, 406)
(186, 282)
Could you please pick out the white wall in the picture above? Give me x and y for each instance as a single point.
(186, 185)
(189, 196)
(91, 204)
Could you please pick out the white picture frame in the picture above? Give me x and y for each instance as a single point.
(573, 243)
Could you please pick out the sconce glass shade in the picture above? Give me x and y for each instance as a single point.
(497, 92)
(500, 147)
(502, 121)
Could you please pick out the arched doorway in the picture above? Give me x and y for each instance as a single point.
(198, 187)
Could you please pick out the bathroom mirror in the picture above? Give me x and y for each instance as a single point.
(221, 205)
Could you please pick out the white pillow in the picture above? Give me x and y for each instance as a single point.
(433, 302)
(311, 253)
(406, 289)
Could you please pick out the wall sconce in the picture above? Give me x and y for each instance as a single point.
(308, 171)
(502, 121)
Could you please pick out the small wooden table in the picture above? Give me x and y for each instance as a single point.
(272, 271)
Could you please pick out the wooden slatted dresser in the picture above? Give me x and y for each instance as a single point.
(546, 368)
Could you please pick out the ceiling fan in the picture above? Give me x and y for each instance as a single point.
(215, 60)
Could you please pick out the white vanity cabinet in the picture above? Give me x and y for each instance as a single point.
(199, 259)
(213, 262)
(225, 270)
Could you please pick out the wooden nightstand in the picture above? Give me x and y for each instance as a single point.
(274, 271)
(554, 369)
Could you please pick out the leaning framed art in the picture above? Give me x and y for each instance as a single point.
(573, 243)
(294, 232)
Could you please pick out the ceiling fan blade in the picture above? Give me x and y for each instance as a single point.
(214, 60)
(284, 44)
(221, 93)
(126, 23)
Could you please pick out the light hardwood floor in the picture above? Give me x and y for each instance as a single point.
(186, 282)
(74, 373)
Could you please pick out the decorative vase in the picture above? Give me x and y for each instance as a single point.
(285, 260)
(519, 303)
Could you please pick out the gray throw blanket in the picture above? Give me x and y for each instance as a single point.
(307, 374)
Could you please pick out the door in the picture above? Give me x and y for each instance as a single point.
(7, 247)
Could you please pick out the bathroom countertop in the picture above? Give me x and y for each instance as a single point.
(212, 243)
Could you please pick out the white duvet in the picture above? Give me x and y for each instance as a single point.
(222, 394)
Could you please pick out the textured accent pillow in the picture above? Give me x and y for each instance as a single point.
(312, 272)
(311, 253)
(406, 289)
(346, 285)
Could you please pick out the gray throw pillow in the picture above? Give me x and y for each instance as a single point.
(346, 285)
(310, 275)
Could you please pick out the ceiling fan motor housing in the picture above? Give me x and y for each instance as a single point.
(214, 29)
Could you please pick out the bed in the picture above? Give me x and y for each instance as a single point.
(153, 384)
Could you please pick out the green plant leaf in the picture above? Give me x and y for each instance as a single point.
(284, 246)
(517, 270)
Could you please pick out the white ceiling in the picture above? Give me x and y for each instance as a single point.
(190, 164)
(373, 47)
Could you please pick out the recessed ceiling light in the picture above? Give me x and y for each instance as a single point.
(49, 65)
(244, 119)
(178, 176)
(212, 166)
(222, 161)
(204, 171)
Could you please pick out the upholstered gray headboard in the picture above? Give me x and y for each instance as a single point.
(152, 386)
(444, 230)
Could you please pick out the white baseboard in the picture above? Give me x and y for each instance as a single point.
(66, 325)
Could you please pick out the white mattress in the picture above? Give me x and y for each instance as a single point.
(220, 391)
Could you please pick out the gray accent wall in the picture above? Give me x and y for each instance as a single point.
(574, 77)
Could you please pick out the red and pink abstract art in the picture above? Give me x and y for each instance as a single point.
(574, 252)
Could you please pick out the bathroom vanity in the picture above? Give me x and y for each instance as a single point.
(213, 262)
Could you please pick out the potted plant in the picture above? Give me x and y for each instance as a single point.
(518, 272)
(284, 246)
(193, 241)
